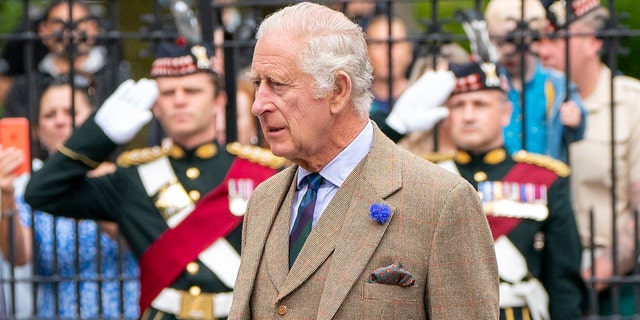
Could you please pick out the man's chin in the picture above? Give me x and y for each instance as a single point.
(279, 150)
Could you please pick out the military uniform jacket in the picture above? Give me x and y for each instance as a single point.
(61, 186)
(550, 245)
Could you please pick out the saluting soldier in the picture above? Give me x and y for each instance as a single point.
(180, 206)
(525, 198)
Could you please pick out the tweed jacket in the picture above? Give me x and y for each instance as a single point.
(437, 231)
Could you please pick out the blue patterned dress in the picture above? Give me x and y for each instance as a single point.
(115, 268)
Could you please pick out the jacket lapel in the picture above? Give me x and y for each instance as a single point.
(277, 244)
(381, 175)
(268, 207)
(345, 228)
(321, 242)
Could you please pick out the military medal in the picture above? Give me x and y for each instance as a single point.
(513, 199)
(239, 192)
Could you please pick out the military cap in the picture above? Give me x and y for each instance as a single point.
(557, 13)
(181, 59)
(476, 76)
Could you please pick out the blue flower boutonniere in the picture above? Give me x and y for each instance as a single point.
(380, 212)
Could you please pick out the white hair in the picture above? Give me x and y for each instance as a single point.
(331, 42)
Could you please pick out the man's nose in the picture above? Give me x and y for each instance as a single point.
(260, 103)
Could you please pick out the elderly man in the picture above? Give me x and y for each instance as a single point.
(357, 228)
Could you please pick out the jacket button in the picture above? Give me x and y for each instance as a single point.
(194, 195)
(282, 310)
(193, 268)
(193, 173)
(195, 291)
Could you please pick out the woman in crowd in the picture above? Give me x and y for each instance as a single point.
(98, 249)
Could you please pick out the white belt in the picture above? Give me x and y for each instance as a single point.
(170, 301)
(508, 298)
(529, 293)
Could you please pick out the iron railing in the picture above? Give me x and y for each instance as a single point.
(132, 44)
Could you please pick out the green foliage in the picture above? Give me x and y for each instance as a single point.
(10, 14)
(626, 11)
(628, 63)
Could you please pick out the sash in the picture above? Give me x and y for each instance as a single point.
(209, 221)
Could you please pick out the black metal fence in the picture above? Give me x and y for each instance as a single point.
(130, 32)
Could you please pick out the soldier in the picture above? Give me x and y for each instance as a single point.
(180, 206)
(525, 198)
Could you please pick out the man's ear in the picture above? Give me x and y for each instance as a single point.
(341, 92)
(220, 102)
(155, 110)
(506, 115)
(597, 45)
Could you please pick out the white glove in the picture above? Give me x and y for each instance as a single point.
(420, 106)
(536, 297)
(127, 110)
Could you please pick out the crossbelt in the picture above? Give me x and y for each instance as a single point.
(510, 299)
(171, 301)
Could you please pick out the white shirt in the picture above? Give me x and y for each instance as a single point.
(334, 174)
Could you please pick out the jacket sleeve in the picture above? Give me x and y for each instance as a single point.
(463, 277)
(61, 186)
(563, 251)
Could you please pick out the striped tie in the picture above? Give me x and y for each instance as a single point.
(304, 220)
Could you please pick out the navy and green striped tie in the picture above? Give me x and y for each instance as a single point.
(304, 220)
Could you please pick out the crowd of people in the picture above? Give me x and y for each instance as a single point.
(365, 180)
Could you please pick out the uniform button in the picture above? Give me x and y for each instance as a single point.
(193, 173)
(538, 241)
(195, 291)
(480, 176)
(194, 195)
(282, 310)
(193, 267)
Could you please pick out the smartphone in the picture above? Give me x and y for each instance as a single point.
(14, 132)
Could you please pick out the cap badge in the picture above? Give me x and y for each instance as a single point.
(492, 79)
(202, 60)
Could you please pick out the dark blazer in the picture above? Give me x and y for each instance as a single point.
(437, 231)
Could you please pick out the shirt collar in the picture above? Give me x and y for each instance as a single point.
(343, 164)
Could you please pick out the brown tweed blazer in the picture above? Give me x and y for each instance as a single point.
(437, 231)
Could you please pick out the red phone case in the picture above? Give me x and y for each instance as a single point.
(14, 132)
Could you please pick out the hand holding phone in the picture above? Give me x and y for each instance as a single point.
(14, 132)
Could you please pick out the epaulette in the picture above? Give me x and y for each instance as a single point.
(256, 154)
(557, 166)
(437, 157)
(140, 156)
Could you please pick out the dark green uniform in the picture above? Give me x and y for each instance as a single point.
(514, 191)
(62, 186)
